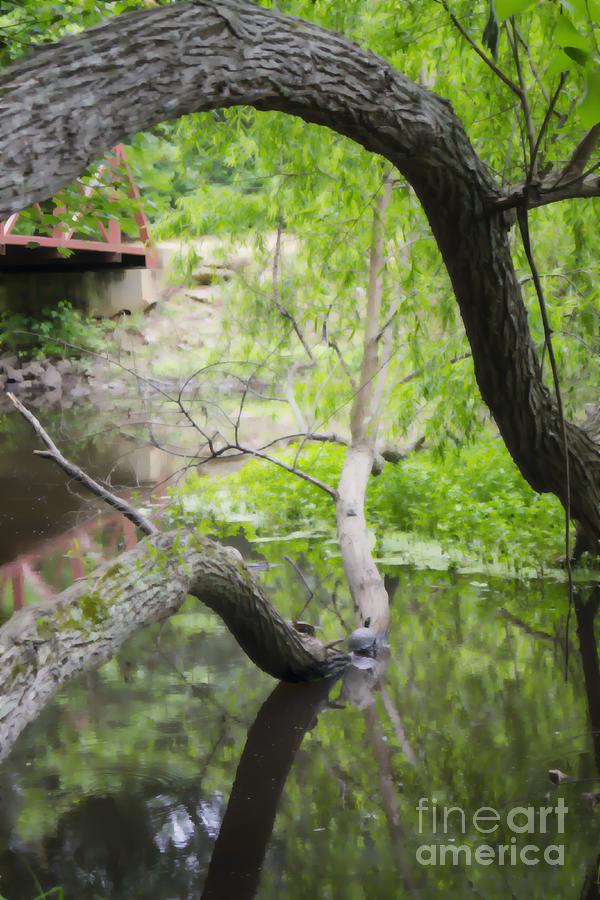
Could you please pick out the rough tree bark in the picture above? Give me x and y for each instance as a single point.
(44, 646)
(69, 102)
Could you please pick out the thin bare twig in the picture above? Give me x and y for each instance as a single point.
(514, 46)
(482, 55)
(235, 448)
(570, 282)
(337, 610)
(257, 369)
(79, 475)
(293, 471)
(283, 310)
(524, 228)
(532, 66)
(331, 342)
(542, 132)
(316, 437)
(391, 316)
(302, 578)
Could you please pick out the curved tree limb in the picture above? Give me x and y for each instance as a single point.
(67, 103)
(44, 646)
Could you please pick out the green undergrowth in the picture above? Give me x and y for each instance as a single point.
(467, 509)
(54, 331)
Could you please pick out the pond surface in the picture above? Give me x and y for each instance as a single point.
(179, 770)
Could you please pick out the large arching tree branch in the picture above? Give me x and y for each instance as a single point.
(69, 102)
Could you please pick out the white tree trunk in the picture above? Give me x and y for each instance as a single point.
(364, 580)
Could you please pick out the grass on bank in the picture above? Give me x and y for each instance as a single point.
(473, 504)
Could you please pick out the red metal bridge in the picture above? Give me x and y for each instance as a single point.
(53, 242)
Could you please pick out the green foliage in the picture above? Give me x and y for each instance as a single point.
(255, 171)
(568, 30)
(57, 331)
(473, 501)
(213, 210)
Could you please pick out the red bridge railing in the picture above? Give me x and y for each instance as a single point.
(110, 238)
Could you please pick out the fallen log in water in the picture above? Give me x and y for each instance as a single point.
(44, 646)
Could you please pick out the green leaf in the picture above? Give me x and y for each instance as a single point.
(588, 10)
(560, 62)
(566, 35)
(589, 109)
(491, 31)
(580, 56)
(506, 8)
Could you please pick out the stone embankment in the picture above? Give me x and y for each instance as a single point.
(43, 382)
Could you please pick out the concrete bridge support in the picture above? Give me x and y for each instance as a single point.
(101, 292)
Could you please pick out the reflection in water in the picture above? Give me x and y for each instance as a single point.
(586, 611)
(391, 806)
(271, 746)
(48, 526)
(166, 774)
(56, 562)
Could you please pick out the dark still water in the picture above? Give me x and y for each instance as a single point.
(178, 770)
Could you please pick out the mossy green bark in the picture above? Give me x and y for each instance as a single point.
(43, 646)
